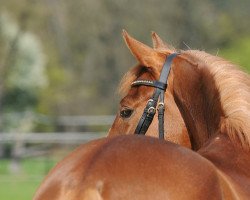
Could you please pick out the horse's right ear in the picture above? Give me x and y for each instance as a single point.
(146, 55)
(159, 44)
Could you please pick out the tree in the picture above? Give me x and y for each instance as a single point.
(24, 73)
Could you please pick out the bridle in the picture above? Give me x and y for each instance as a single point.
(158, 95)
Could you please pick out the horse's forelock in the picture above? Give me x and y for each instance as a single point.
(127, 79)
(131, 76)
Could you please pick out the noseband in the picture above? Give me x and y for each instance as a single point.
(158, 95)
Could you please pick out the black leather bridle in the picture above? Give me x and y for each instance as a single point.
(150, 109)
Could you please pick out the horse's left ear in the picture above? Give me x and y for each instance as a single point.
(159, 44)
(146, 55)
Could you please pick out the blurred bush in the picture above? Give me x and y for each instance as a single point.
(60, 57)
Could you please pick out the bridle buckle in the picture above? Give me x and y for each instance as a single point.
(161, 105)
(151, 110)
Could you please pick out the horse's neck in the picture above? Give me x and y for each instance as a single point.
(199, 103)
(198, 100)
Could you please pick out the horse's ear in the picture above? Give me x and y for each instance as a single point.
(146, 55)
(159, 44)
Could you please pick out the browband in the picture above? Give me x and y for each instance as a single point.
(156, 84)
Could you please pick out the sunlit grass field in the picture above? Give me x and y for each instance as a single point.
(18, 187)
(23, 184)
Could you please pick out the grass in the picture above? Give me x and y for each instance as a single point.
(22, 185)
(18, 187)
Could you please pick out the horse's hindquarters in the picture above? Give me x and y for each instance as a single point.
(132, 167)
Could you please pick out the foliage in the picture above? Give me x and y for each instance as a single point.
(77, 45)
(23, 70)
(238, 52)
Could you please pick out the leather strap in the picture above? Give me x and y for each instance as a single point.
(150, 109)
(166, 67)
(155, 84)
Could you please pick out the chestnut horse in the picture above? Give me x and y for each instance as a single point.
(212, 96)
(207, 110)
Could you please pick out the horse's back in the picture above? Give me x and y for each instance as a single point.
(131, 167)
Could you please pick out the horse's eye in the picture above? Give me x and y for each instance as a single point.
(126, 113)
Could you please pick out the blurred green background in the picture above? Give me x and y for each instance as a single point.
(61, 58)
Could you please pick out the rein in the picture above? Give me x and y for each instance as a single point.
(156, 99)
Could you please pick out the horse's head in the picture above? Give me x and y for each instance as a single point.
(134, 99)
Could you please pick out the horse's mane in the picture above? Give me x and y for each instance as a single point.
(234, 89)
